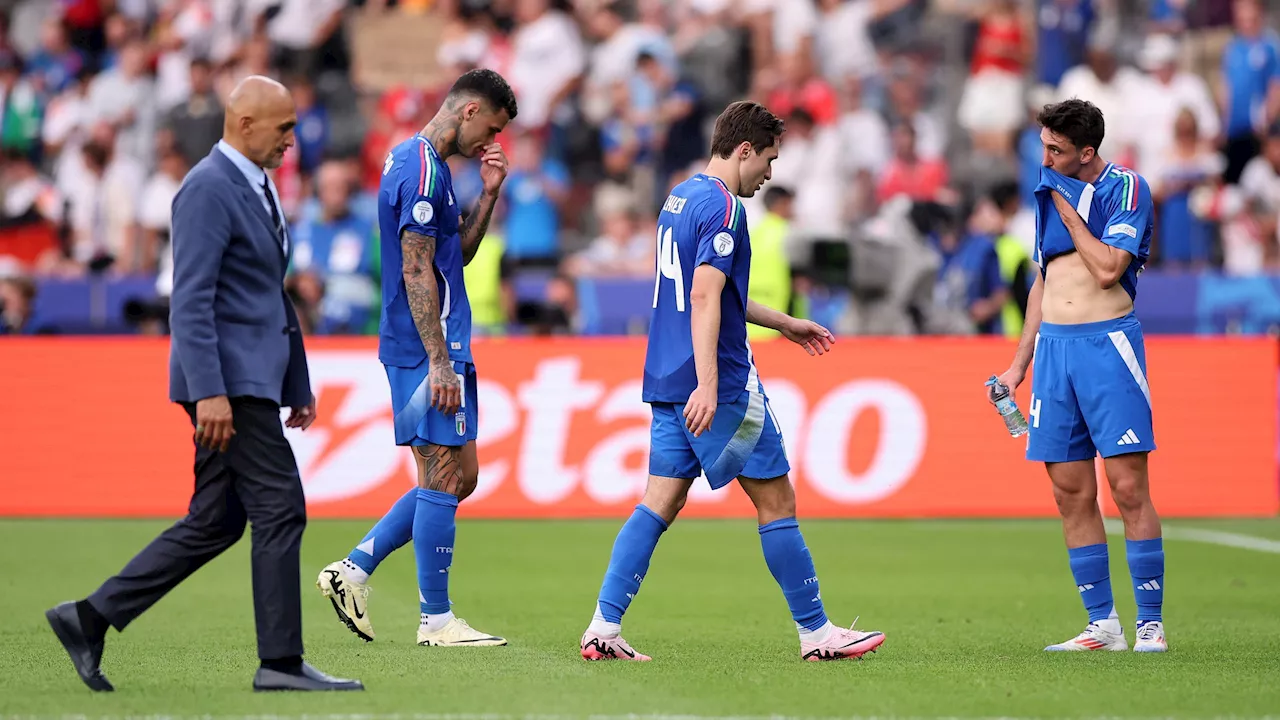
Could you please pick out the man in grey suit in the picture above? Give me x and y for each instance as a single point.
(236, 358)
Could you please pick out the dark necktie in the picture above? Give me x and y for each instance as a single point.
(275, 214)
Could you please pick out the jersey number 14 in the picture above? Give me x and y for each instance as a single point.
(668, 267)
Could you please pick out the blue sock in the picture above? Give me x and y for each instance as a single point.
(1092, 573)
(629, 562)
(1146, 567)
(792, 566)
(388, 535)
(433, 533)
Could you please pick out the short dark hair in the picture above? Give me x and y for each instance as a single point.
(775, 194)
(1005, 193)
(488, 86)
(745, 121)
(800, 116)
(1079, 121)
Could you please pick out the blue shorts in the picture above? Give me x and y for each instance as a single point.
(416, 422)
(1089, 392)
(743, 440)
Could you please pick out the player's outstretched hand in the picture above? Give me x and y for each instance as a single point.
(214, 426)
(1011, 379)
(700, 409)
(302, 417)
(446, 389)
(815, 339)
(493, 167)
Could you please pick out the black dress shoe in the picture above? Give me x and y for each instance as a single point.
(85, 652)
(305, 678)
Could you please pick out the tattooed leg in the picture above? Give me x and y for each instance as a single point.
(440, 468)
(434, 529)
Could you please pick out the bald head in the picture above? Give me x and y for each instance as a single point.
(259, 120)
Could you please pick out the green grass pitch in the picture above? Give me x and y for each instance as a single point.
(967, 607)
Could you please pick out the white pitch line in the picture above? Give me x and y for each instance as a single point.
(507, 716)
(1211, 537)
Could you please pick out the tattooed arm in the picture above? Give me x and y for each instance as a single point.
(476, 226)
(493, 170)
(423, 295)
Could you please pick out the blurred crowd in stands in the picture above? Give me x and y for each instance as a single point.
(903, 189)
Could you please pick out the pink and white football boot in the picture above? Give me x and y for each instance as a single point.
(602, 647)
(839, 643)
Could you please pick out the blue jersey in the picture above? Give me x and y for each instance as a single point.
(1117, 208)
(1250, 66)
(416, 194)
(701, 223)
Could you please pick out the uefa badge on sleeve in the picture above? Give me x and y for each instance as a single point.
(422, 212)
(723, 244)
(460, 422)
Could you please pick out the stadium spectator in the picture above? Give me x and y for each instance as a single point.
(780, 29)
(813, 173)
(307, 35)
(1251, 85)
(124, 96)
(196, 122)
(627, 143)
(770, 267)
(621, 93)
(155, 210)
(30, 198)
(1063, 31)
(678, 113)
(863, 132)
(400, 112)
(1184, 241)
(313, 125)
(908, 173)
(621, 250)
(619, 43)
(183, 32)
(17, 298)
(795, 86)
(991, 107)
(906, 104)
(547, 63)
(469, 39)
(970, 285)
(20, 119)
(1261, 177)
(1013, 250)
(1249, 244)
(335, 258)
(1111, 86)
(118, 30)
(843, 38)
(103, 187)
(1161, 96)
(537, 188)
(57, 63)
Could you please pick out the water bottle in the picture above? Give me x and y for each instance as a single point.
(1003, 400)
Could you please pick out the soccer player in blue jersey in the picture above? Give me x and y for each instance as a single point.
(710, 411)
(1089, 392)
(425, 344)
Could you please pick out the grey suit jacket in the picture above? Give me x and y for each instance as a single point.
(233, 329)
